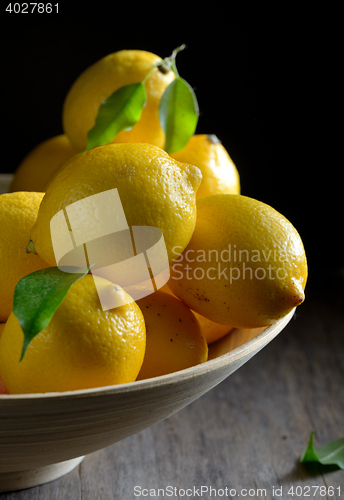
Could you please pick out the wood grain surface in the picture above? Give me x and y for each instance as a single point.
(246, 433)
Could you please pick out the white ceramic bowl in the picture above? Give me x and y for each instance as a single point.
(43, 436)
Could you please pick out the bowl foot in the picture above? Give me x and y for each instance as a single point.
(21, 479)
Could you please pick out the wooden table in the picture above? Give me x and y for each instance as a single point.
(245, 435)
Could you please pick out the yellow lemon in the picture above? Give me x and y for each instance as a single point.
(3, 389)
(174, 338)
(245, 264)
(57, 171)
(210, 330)
(154, 190)
(219, 174)
(82, 347)
(103, 78)
(18, 212)
(38, 166)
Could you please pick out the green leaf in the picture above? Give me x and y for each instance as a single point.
(118, 112)
(178, 114)
(38, 295)
(331, 453)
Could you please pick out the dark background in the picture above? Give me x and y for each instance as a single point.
(267, 84)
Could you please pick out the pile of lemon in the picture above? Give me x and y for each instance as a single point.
(234, 261)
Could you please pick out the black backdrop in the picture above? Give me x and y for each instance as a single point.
(266, 84)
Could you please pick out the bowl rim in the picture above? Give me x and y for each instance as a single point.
(254, 344)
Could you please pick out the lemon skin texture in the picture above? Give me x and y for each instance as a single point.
(174, 338)
(3, 389)
(100, 80)
(259, 282)
(210, 330)
(39, 165)
(18, 212)
(219, 173)
(82, 347)
(154, 189)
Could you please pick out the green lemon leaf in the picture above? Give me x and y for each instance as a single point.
(331, 453)
(178, 114)
(118, 112)
(38, 295)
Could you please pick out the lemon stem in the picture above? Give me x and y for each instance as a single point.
(148, 74)
(169, 63)
(173, 58)
(31, 248)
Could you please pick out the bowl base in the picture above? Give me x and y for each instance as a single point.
(21, 479)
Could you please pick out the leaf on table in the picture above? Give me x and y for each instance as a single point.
(178, 114)
(331, 453)
(38, 295)
(118, 112)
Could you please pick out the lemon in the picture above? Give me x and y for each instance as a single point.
(245, 264)
(3, 389)
(82, 347)
(154, 190)
(18, 212)
(210, 330)
(219, 173)
(103, 78)
(174, 338)
(38, 166)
